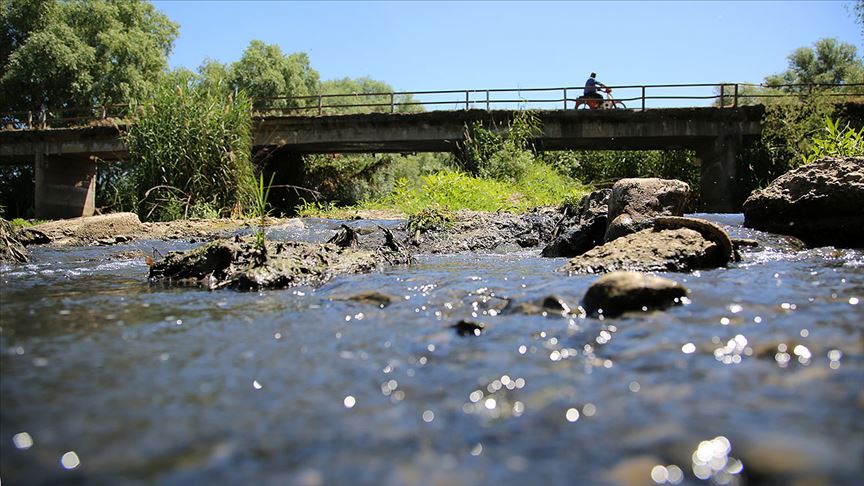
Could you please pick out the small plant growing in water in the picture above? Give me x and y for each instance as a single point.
(261, 212)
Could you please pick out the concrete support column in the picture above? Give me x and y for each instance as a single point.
(65, 186)
(288, 190)
(718, 174)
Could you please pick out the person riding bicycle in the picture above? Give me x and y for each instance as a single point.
(591, 88)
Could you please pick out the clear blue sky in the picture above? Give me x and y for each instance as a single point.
(477, 45)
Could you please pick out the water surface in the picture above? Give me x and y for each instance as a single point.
(107, 378)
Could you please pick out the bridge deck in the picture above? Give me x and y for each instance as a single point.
(435, 131)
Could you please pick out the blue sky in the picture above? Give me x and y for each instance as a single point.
(479, 45)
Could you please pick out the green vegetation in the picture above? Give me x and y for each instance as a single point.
(838, 142)
(85, 53)
(190, 153)
(431, 218)
(603, 168)
(541, 185)
(362, 91)
(260, 211)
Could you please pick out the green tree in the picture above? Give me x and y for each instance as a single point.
(828, 61)
(365, 91)
(264, 71)
(80, 53)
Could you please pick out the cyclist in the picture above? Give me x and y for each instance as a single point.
(591, 88)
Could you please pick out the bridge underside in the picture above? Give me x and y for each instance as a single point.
(716, 135)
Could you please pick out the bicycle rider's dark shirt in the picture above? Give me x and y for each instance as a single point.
(590, 87)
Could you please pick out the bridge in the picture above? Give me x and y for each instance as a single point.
(65, 159)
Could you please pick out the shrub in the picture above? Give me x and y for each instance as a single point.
(838, 142)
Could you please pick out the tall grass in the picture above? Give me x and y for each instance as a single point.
(189, 150)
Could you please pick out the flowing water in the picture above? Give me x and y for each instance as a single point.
(107, 378)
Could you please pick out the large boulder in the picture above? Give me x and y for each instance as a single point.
(634, 203)
(673, 244)
(11, 248)
(619, 292)
(586, 230)
(821, 203)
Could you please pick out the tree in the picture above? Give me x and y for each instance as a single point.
(828, 61)
(366, 91)
(80, 53)
(264, 72)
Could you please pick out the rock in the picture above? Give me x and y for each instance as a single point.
(551, 304)
(650, 250)
(29, 236)
(91, 229)
(634, 203)
(473, 231)
(619, 292)
(373, 298)
(709, 231)
(11, 249)
(240, 264)
(588, 231)
(469, 328)
(346, 237)
(820, 203)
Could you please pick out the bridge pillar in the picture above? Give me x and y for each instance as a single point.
(65, 186)
(718, 174)
(288, 171)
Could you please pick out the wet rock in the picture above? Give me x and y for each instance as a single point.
(709, 231)
(469, 328)
(586, 229)
(373, 298)
(242, 265)
(551, 304)
(471, 231)
(820, 203)
(345, 238)
(619, 292)
(650, 250)
(784, 458)
(11, 248)
(634, 203)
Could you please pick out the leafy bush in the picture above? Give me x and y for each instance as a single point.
(541, 185)
(349, 179)
(189, 151)
(839, 142)
(491, 154)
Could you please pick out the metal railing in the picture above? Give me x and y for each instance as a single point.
(635, 97)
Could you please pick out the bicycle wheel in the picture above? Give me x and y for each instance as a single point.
(581, 104)
(619, 105)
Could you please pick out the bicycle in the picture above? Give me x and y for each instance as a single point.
(589, 103)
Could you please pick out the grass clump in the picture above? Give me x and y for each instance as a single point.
(189, 150)
(430, 219)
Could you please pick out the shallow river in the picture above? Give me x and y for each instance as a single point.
(109, 379)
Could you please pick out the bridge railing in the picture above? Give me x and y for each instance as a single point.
(631, 97)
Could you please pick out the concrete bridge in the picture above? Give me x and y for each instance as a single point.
(65, 159)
